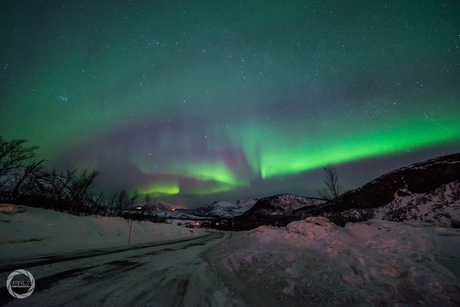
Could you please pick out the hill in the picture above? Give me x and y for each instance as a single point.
(428, 191)
(282, 204)
(419, 178)
(222, 209)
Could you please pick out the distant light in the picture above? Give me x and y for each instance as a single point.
(138, 207)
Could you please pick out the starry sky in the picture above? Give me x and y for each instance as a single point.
(196, 101)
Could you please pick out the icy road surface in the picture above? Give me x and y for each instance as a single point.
(171, 273)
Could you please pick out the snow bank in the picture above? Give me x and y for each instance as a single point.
(32, 232)
(11, 209)
(374, 263)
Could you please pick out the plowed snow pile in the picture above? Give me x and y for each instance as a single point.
(314, 262)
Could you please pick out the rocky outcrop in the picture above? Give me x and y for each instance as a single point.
(421, 177)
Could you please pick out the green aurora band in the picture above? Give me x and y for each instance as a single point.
(208, 98)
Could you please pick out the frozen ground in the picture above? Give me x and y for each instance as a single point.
(37, 231)
(85, 261)
(316, 263)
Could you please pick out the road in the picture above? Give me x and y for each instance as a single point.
(171, 273)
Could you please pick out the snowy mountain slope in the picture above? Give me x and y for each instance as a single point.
(224, 209)
(248, 203)
(160, 205)
(316, 263)
(419, 178)
(442, 206)
(282, 204)
(428, 191)
(399, 194)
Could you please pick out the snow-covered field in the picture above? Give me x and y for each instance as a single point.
(36, 231)
(308, 263)
(316, 263)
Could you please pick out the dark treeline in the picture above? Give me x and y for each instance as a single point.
(24, 182)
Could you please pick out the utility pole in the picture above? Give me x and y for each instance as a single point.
(130, 228)
(131, 223)
(231, 227)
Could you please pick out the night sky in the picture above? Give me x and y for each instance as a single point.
(196, 101)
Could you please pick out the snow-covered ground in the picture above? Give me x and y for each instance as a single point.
(90, 264)
(36, 231)
(314, 262)
(308, 263)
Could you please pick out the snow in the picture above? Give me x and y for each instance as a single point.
(27, 231)
(224, 209)
(441, 206)
(308, 262)
(283, 204)
(373, 263)
(170, 273)
(11, 209)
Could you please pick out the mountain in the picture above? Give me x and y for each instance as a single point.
(224, 209)
(277, 210)
(281, 204)
(248, 203)
(419, 178)
(428, 191)
(441, 206)
(159, 205)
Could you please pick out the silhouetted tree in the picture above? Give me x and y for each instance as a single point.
(124, 201)
(16, 164)
(147, 206)
(333, 187)
(23, 174)
(79, 189)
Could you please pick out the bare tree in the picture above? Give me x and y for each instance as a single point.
(133, 196)
(69, 190)
(81, 184)
(147, 206)
(122, 202)
(95, 205)
(14, 158)
(59, 183)
(22, 176)
(333, 187)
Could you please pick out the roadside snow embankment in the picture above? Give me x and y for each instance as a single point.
(26, 232)
(373, 263)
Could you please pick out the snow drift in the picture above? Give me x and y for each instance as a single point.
(315, 262)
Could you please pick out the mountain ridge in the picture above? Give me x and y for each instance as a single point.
(427, 191)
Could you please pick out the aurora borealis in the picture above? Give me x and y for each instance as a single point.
(207, 100)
